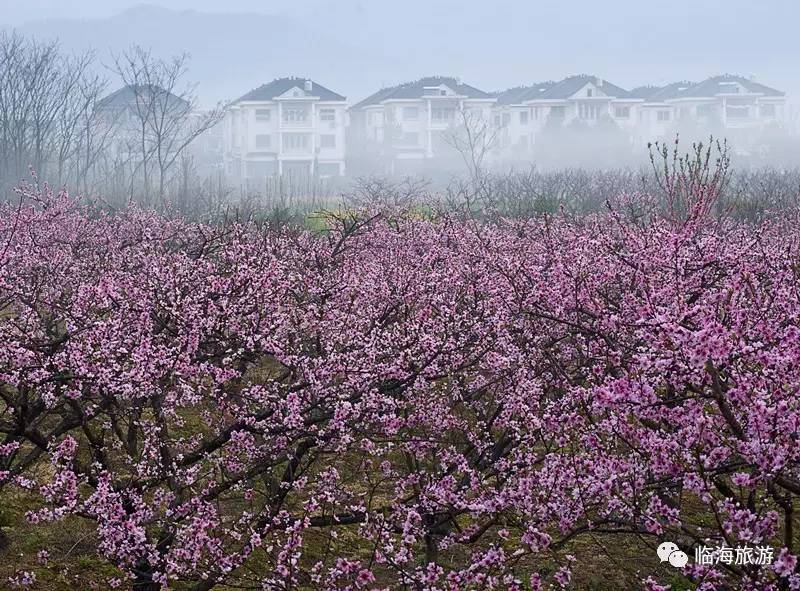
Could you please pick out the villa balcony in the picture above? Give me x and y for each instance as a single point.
(443, 123)
(307, 124)
(296, 153)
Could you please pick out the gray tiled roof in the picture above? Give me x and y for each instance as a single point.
(267, 92)
(644, 92)
(707, 88)
(716, 85)
(670, 91)
(375, 97)
(127, 95)
(569, 86)
(520, 94)
(416, 89)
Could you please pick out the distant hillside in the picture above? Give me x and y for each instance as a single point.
(230, 53)
(356, 46)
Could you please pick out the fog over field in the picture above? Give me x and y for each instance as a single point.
(356, 48)
(616, 76)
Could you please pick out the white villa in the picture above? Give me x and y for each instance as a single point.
(657, 115)
(727, 104)
(123, 113)
(521, 113)
(296, 126)
(288, 126)
(407, 122)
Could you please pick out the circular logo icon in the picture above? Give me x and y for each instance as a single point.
(665, 549)
(669, 552)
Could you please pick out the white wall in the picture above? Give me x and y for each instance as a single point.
(247, 125)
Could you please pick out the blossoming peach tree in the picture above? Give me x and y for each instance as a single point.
(400, 403)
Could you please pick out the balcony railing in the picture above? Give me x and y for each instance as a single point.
(443, 123)
(296, 124)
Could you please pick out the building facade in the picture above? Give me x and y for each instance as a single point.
(288, 126)
(517, 122)
(411, 122)
(523, 113)
(657, 116)
(728, 105)
(139, 119)
(296, 126)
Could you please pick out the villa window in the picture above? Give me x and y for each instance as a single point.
(327, 141)
(735, 112)
(295, 115)
(523, 117)
(443, 114)
(327, 115)
(704, 110)
(588, 111)
(622, 112)
(410, 113)
(768, 110)
(263, 114)
(664, 116)
(295, 141)
(589, 92)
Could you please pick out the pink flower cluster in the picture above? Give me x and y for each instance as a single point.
(401, 403)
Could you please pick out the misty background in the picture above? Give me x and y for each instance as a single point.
(137, 101)
(357, 46)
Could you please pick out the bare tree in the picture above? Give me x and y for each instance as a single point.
(474, 137)
(157, 117)
(82, 140)
(379, 193)
(44, 97)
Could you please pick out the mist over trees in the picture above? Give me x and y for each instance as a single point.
(132, 129)
(47, 103)
(58, 121)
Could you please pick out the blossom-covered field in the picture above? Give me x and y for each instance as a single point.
(397, 402)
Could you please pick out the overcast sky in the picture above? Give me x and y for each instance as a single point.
(20, 11)
(356, 46)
